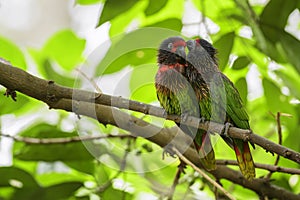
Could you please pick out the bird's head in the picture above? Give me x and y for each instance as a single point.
(201, 45)
(172, 51)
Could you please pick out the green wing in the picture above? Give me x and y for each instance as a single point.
(235, 108)
(226, 102)
(184, 100)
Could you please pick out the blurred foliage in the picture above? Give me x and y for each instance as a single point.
(70, 171)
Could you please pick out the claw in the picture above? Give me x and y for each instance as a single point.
(164, 113)
(11, 93)
(226, 128)
(184, 117)
(167, 152)
(202, 119)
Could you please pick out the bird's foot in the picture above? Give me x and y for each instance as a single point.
(168, 152)
(184, 116)
(225, 129)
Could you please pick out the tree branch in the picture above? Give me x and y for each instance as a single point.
(64, 140)
(271, 168)
(16, 79)
(82, 103)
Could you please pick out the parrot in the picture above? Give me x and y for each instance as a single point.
(177, 97)
(222, 103)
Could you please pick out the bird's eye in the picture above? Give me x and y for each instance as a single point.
(170, 45)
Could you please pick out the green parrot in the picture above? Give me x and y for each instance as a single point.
(222, 102)
(176, 95)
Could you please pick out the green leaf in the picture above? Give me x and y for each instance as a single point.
(223, 13)
(282, 46)
(145, 93)
(135, 48)
(65, 48)
(13, 173)
(273, 94)
(116, 194)
(6, 192)
(154, 6)
(133, 58)
(53, 178)
(50, 152)
(113, 8)
(7, 105)
(51, 74)
(279, 10)
(291, 46)
(28, 194)
(241, 86)
(87, 2)
(62, 190)
(121, 22)
(224, 46)
(85, 166)
(282, 181)
(11, 52)
(291, 79)
(26, 187)
(142, 83)
(132, 48)
(101, 175)
(172, 10)
(171, 23)
(241, 62)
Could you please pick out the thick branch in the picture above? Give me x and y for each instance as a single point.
(50, 93)
(79, 101)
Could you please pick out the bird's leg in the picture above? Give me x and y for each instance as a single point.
(225, 129)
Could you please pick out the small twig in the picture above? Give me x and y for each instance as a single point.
(271, 168)
(90, 80)
(279, 131)
(31, 140)
(188, 162)
(121, 170)
(175, 183)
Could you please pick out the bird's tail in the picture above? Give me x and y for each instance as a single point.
(244, 159)
(206, 152)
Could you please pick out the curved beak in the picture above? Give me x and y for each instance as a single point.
(181, 51)
(191, 44)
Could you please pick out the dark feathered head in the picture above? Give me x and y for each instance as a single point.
(211, 50)
(202, 55)
(172, 51)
